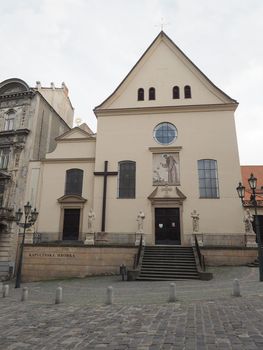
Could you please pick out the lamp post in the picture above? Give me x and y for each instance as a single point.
(252, 181)
(30, 219)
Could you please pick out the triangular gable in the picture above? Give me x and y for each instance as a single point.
(163, 50)
(75, 133)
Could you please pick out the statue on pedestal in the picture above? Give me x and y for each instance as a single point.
(91, 219)
(140, 218)
(195, 218)
(250, 234)
(90, 234)
(248, 219)
(139, 233)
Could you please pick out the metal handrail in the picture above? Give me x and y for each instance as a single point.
(201, 257)
(138, 255)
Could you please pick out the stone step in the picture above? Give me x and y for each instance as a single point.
(170, 268)
(150, 278)
(168, 263)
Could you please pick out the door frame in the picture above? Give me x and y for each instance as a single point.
(179, 217)
(62, 233)
(71, 202)
(167, 204)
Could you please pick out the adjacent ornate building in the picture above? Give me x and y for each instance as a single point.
(30, 120)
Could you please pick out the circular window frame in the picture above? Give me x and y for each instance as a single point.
(157, 128)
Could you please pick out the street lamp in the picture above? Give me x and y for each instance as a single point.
(30, 219)
(252, 181)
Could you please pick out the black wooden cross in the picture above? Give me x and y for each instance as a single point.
(105, 175)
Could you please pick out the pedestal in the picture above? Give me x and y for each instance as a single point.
(89, 240)
(251, 240)
(29, 236)
(138, 238)
(199, 237)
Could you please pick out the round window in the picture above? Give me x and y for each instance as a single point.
(165, 133)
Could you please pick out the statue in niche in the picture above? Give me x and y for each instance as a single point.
(248, 219)
(140, 218)
(91, 219)
(195, 218)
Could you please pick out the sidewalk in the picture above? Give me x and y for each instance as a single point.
(205, 316)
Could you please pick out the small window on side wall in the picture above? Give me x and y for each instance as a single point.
(74, 180)
(187, 91)
(208, 178)
(127, 175)
(140, 94)
(176, 92)
(152, 93)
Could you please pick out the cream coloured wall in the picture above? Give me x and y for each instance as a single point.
(49, 183)
(201, 135)
(53, 187)
(79, 149)
(162, 68)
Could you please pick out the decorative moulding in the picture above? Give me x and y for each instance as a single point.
(166, 149)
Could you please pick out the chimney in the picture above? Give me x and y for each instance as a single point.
(52, 85)
(38, 85)
(64, 87)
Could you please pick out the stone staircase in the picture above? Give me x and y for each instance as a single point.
(167, 263)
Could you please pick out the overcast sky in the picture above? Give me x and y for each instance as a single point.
(92, 45)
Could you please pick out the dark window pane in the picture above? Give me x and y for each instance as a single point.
(187, 91)
(127, 171)
(152, 93)
(176, 92)
(74, 180)
(208, 179)
(140, 94)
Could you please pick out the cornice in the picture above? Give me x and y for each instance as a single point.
(68, 160)
(165, 149)
(166, 109)
(77, 140)
(14, 132)
(17, 95)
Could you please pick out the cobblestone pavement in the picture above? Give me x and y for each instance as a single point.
(205, 315)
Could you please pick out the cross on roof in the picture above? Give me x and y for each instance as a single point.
(162, 24)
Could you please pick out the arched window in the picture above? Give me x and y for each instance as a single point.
(208, 178)
(140, 94)
(127, 175)
(176, 92)
(152, 93)
(74, 180)
(187, 91)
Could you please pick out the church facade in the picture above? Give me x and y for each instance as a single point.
(165, 147)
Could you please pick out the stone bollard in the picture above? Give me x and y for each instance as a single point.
(5, 291)
(109, 299)
(236, 288)
(58, 299)
(172, 293)
(24, 296)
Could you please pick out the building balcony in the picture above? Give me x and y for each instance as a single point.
(6, 214)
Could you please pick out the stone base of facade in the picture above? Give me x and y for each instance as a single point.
(228, 256)
(47, 262)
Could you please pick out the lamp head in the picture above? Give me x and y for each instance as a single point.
(34, 215)
(27, 208)
(252, 181)
(18, 215)
(240, 191)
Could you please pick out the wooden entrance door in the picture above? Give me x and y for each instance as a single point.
(167, 226)
(71, 224)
